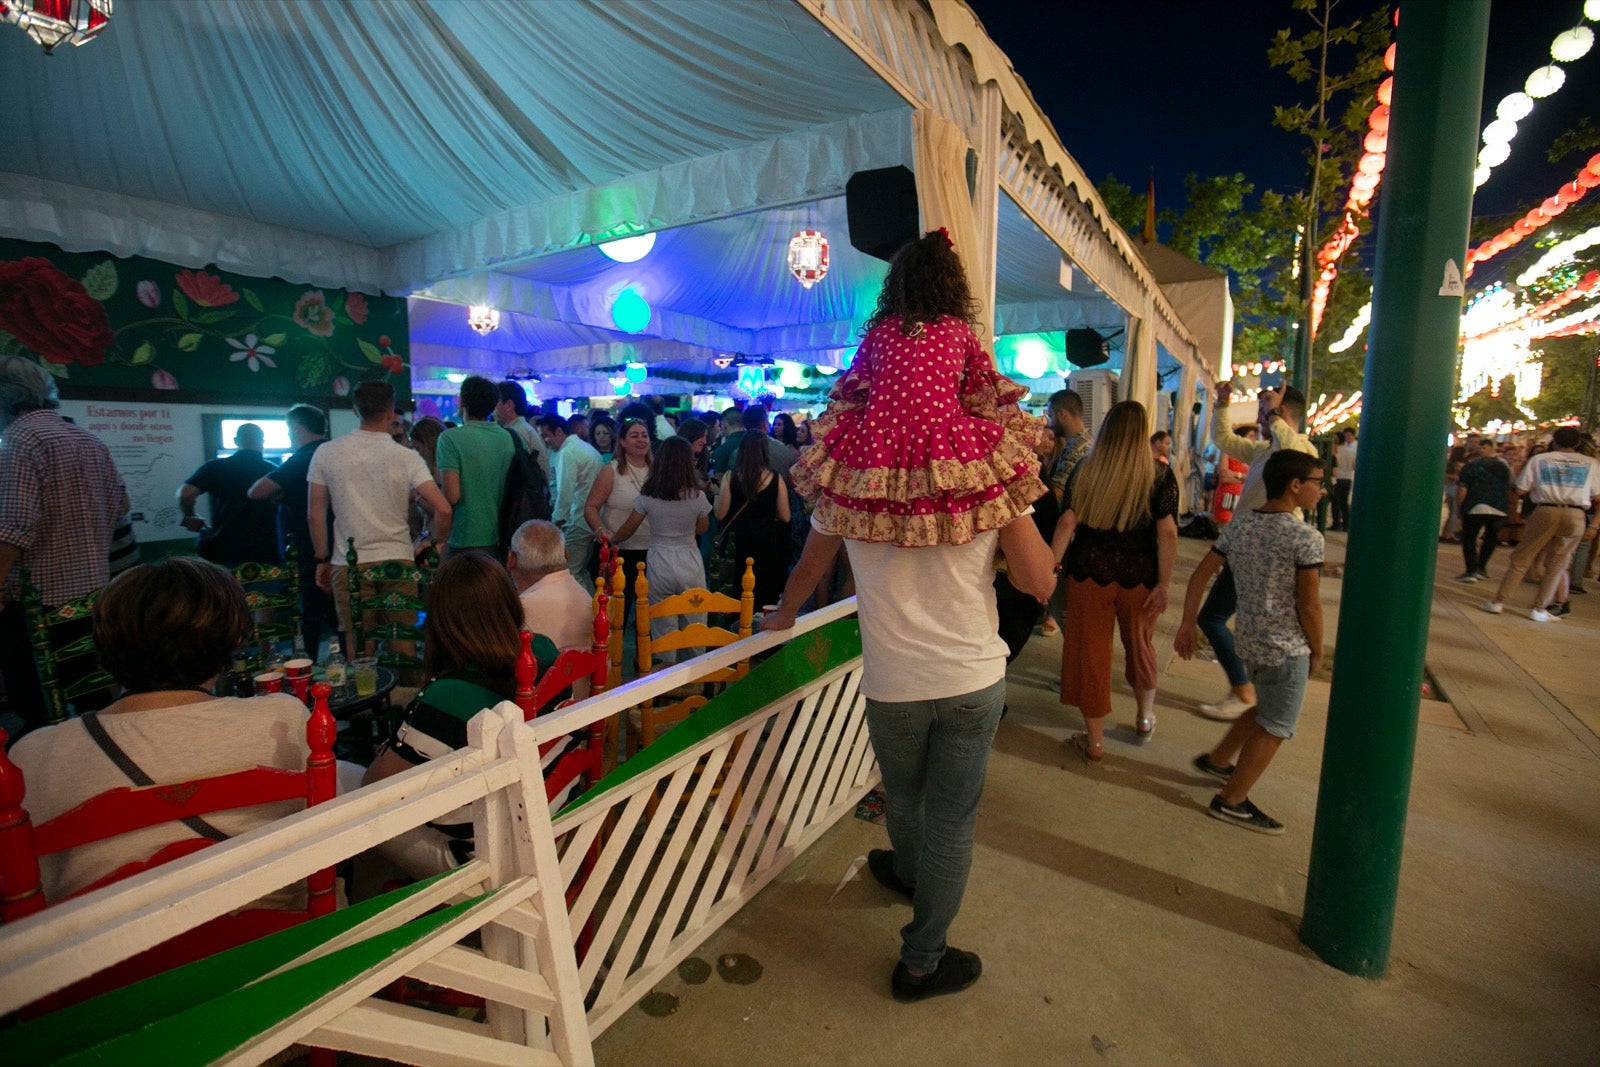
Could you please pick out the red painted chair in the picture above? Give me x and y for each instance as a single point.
(587, 760)
(118, 811)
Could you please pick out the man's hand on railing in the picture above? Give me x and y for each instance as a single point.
(779, 618)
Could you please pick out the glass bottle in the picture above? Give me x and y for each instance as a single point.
(333, 669)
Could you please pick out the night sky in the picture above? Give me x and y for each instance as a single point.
(1185, 86)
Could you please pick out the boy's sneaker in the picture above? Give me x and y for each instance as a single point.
(1227, 709)
(1203, 764)
(1467, 578)
(1559, 608)
(1483, 575)
(880, 861)
(1244, 814)
(1493, 607)
(1540, 615)
(956, 971)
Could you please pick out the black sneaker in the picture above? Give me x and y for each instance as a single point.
(956, 971)
(1483, 575)
(1467, 577)
(880, 861)
(1576, 588)
(1560, 608)
(1244, 814)
(1203, 764)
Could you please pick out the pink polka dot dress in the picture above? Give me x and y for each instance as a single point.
(922, 443)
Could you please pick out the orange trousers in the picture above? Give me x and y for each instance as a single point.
(1091, 611)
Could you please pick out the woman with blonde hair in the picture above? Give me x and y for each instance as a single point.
(611, 500)
(1115, 546)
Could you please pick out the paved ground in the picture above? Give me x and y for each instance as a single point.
(1118, 924)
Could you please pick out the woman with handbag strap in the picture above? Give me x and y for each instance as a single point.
(758, 502)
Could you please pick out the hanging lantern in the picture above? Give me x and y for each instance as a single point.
(636, 372)
(1573, 44)
(54, 22)
(808, 257)
(1544, 81)
(1385, 88)
(483, 318)
(1514, 107)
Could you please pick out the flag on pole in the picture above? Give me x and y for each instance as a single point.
(1149, 234)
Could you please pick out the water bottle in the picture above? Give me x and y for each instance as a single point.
(299, 647)
(333, 670)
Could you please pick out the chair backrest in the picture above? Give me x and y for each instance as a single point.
(619, 614)
(127, 808)
(696, 634)
(398, 591)
(535, 696)
(63, 651)
(273, 592)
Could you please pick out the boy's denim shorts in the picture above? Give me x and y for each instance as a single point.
(1280, 692)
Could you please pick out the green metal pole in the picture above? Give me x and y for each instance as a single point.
(1354, 875)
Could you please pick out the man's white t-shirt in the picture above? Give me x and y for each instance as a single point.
(558, 607)
(1560, 478)
(369, 479)
(929, 627)
(1344, 461)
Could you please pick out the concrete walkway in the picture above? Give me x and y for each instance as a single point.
(1118, 924)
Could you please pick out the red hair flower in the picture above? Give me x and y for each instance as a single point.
(207, 290)
(942, 232)
(52, 314)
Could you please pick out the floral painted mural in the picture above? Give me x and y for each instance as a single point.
(96, 320)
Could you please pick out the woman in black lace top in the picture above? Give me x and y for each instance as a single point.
(1115, 543)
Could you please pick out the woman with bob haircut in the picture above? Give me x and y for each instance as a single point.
(164, 631)
(471, 641)
(674, 500)
(1115, 544)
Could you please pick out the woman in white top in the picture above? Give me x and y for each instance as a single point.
(674, 502)
(611, 501)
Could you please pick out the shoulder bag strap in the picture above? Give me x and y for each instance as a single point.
(125, 764)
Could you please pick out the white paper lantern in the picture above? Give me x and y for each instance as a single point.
(1500, 131)
(1544, 81)
(1514, 107)
(1573, 44)
(1480, 176)
(629, 249)
(1493, 155)
(483, 318)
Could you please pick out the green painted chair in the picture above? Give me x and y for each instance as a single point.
(64, 654)
(273, 592)
(387, 602)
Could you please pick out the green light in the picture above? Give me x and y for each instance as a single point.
(630, 311)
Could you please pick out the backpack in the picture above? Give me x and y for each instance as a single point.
(527, 492)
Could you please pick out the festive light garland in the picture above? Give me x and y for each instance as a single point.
(1588, 285)
(1559, 255)
(1323, 417)
(1539, 217)
(1363, 187)
(1568, 46)
(1353, 334)
(1578, 322)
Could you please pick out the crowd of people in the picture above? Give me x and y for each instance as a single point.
(922, 478)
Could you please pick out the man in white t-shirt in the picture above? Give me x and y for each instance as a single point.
(1344, 478)
(1563, 483)
(553, 603)
(933, 675)
(368, 480)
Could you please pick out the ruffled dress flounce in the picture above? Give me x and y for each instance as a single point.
(923, 442)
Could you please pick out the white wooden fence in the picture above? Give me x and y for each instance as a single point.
(654, 860)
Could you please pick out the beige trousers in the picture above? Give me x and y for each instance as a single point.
(1552, 531)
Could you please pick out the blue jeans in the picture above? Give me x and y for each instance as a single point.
(933, 755)
(1219, 607)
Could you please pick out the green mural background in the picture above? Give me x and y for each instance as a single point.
(213, 332)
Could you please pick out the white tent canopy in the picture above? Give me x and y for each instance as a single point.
(465, 151)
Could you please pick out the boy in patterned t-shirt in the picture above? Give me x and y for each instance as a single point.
(1276, 561)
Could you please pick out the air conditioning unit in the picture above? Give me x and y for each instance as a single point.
(1098, 390)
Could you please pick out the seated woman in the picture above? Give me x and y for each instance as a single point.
(471, 641)
(164, 632)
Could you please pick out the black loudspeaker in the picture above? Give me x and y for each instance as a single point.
(881, 206)
(1085, 348)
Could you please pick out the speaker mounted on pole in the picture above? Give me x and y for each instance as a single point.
(881, 207)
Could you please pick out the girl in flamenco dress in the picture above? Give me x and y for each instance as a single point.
(923, 442)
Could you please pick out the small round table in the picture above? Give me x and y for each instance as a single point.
(344, 703)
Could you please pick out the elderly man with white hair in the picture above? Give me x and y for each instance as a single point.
(60, 500)
(553, 602)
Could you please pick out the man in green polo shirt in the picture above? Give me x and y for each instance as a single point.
(473, 461)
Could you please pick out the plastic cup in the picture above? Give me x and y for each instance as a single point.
(269, 682)
(365, 670)
(297, 668)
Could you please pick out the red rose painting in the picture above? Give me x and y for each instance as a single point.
(204, 289)
(52, 314)
(355, 305)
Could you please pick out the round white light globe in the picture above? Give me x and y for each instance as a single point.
(1031, 360)
(1514, 107)
(629, 249)
(1544, 81)
(1573, 44)
(1500, 131)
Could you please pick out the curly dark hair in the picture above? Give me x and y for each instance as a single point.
(926, 280)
